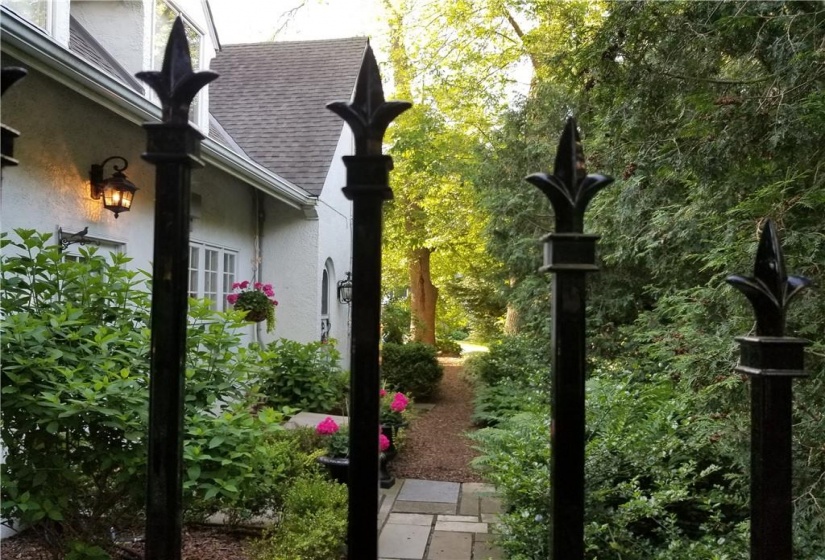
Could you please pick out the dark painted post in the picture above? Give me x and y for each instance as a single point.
(772, 360)
(570, 254)
(10, 75)
(174, 147)
(368, 115)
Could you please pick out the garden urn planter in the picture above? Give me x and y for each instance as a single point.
(338, 468)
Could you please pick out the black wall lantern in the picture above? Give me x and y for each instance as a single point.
(117, 191)
(345, 289)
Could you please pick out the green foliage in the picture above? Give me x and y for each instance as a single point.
(704, 113)
(395, 321)
(306, 376)
(312, 526)
(74, 379)
(518, 358)
(75, 403)
(448, 347)
(240, 463)
(411, 368)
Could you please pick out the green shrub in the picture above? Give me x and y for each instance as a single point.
(660, 485)
(74, 353)
(312, 525)
(411, 368)
(494, 403)
(74, 389)
(395, 322)
(520, 358)
(306, 376)
(448, 347)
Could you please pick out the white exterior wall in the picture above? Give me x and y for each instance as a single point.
(335, 242)
(62, 135)
(290, 263)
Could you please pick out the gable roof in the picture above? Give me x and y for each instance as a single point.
(83, 44)
(271, 99)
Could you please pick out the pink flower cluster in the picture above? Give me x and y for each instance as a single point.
(399, 402)
(241, 288)
(326, 427)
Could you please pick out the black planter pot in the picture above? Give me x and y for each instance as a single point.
(391, 433)
(338, 468)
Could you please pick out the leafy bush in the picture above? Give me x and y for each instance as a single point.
(74, 388)
(75, 402)
(520, 358)
(495, 403)
(306, 376)
(312, 525)
(411, 368)
(687, 500)
(448, 347)
(395, 322)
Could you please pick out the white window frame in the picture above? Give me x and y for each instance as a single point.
(223, 277)
(198, 103)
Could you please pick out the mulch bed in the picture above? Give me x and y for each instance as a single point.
(435, 448)
(199, 543)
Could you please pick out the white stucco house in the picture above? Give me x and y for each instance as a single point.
(267, 205)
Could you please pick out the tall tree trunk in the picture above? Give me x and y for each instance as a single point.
(423, 297)
(511, 320)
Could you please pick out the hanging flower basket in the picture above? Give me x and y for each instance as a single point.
(258, 301)
(254, 315)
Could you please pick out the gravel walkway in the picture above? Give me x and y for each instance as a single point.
(436, 447)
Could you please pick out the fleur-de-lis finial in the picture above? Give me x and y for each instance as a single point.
(770, 289)
(367, 114)
(176, 84)
(10, 75)
(569, 188)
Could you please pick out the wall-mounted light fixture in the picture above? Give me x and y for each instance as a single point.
(117, 191)
(345, 289)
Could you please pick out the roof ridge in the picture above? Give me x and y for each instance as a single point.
(260, 43)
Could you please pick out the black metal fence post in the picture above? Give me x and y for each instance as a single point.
(368, 115)
(10, 75)
(570, 254)
(174, 147)
(772, 360)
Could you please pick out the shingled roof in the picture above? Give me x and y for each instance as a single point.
(271, 98)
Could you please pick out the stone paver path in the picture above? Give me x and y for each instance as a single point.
(432, 520)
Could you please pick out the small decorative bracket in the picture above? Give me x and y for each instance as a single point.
(80, 238)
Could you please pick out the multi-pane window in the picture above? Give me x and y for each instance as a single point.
(165, 16)
(34, 11)
(212, 272)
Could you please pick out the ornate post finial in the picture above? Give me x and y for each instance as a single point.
(770, 289)
(569, 188)
(367, 113)
(176, 84)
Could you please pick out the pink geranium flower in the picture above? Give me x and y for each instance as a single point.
(232, 298)
(326, 427)
(383, 442)
(399, 402)
(382, 393)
